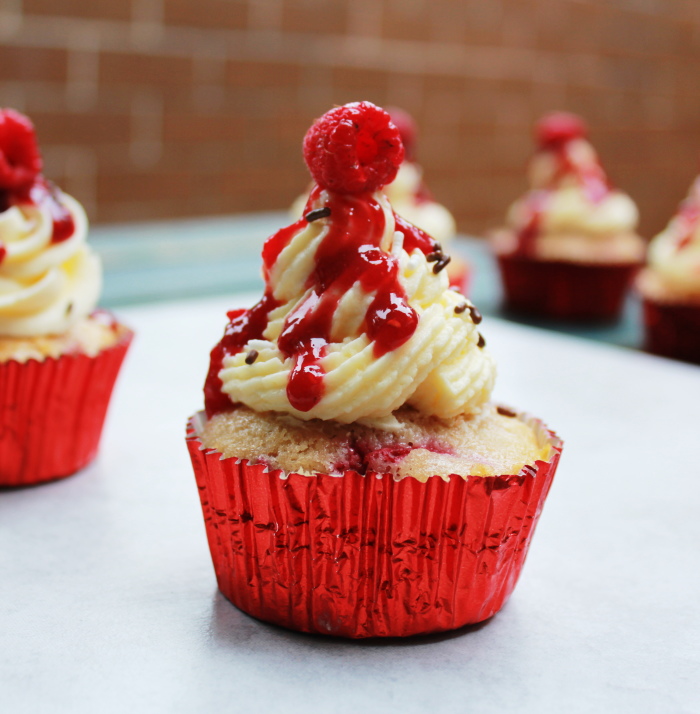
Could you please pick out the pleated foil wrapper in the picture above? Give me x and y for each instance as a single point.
(672, 329)
(367, 556)
(52, 413)
(561, 290)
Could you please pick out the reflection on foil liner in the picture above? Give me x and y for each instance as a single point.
(368, 556)
(52, 412)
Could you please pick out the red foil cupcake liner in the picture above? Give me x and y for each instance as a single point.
(672, 329)
(52, 412)
(367, 556)
(579, 292)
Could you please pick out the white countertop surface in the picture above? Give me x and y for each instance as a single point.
(109, 602)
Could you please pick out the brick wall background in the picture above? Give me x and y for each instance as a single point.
(163, 108)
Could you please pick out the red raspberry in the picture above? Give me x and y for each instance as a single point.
(556, 129)
(354, 148)
(20, 160)
(403, 121)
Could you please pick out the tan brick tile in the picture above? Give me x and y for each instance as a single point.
(254, 73)
(33, 63)
(97, 9)
(158, 70)
(80, 128)
(315, 16)
(214, 14)
(406, 19)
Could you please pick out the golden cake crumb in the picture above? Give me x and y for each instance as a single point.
(486, 444)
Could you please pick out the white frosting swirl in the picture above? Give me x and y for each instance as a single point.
(569, 209)
(439, 370)
(45, 287)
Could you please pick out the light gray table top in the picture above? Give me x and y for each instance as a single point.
(109, 602)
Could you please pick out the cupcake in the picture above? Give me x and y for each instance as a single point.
(59, 357)
(570, 248)
(410, 198)
(670, 285)
(354, 477)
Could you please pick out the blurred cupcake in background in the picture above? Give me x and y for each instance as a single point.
(59, 358)
(670, 284)
(570, 248)
(411, 199)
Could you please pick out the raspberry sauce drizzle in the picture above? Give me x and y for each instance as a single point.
(244, 325)
(47, 195)
(349, 253)
(689, 213)
(279, 241)
(43, 193)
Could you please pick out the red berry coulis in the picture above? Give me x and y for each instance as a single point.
(44, 193)
(352, 151)
(349, 253)
(689, 213)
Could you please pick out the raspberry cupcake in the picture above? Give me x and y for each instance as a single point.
(570, 249)
(59, 357)
(355, 479)
(410, 198)
(670, 285)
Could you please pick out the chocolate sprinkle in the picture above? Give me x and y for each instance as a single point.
(459, 309)
(251, 357)
(69, 308)
(482, 342)
(441, 264)
(475, 315)
(314, 215)
(504, 411)
(432, 257)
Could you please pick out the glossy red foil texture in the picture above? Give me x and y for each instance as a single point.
(52, 412)
(672, 330)
(367, 556)
(577, 292)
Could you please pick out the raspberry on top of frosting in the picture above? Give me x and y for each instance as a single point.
(49, 278)
(556, 129)
(353, 148)
(20, 160)
(357, 316)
